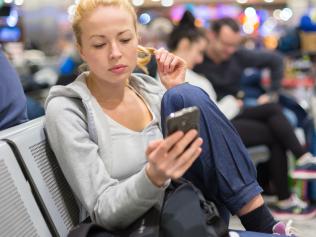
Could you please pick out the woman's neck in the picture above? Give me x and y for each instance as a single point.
(106, 93)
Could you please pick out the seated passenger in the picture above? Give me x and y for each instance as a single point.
(189, 43)
(12, 98)
(105, 131)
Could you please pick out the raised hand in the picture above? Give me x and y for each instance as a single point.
(171, 68)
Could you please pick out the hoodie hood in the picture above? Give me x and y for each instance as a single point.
(78, 89)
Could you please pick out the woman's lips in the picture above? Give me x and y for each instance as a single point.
(118, 69)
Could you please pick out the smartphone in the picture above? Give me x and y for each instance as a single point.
(183, 120)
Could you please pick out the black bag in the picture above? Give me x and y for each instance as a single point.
(185, 212)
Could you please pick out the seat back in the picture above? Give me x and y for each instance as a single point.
(19, 213)
(259, 154)
(46, 178)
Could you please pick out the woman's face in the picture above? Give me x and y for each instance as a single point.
(109, 44)
(193, 55)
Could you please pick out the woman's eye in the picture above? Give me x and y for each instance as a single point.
(125, 41)
(98, 45)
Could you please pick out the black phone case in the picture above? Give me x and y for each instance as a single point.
(183, 120)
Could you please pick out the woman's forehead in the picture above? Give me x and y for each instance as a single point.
(109, 15)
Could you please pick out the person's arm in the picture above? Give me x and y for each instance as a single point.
(12, 97)
(264, 59)
(229, 106)
(111, 203)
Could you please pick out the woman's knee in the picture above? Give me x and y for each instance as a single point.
(185, 95)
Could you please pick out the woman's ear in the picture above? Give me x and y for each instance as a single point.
(184, 44)
(79, 48)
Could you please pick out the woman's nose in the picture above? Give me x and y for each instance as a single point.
(115, 51)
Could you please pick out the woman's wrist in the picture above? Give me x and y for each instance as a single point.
(155, 178)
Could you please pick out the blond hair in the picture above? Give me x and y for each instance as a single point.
(84, 7)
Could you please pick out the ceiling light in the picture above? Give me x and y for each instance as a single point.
(242, 1)
(19, 2)
(138, 3)
(167, 3)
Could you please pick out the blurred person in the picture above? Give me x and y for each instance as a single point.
(225, 61)
(107, 108)
(189, 43)
(13, 108)
(69, 59)
(223, 65)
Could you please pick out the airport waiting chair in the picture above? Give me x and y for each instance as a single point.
(19, 212)
(46, 178)
(259, 154)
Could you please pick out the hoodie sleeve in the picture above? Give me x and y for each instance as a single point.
(111, 203)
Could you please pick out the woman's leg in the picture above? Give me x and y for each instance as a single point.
(255, 132)
(261, 125)
(278, 168)
(272, 115)
(224, 172)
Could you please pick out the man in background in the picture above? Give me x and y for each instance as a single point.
(225, 61)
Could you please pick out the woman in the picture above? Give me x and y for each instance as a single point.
(189, 43)
(104, 129)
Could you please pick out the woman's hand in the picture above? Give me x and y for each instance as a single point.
(171, 157)
(171, 68)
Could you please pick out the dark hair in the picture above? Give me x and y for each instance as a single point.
(217, 25)
(185, 29)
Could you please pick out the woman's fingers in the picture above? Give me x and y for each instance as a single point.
(182, 144)
(185, 160)
(177, 173)
(162, 149)
(152, 146)
(166, 61)
(172, 156)
(174, 63)
(158, 53)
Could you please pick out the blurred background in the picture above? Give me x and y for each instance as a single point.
(36, 35)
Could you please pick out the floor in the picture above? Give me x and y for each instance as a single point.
(306, 228)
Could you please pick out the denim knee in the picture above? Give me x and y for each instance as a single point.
(185, 95)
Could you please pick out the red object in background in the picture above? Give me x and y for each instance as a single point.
(292, 82)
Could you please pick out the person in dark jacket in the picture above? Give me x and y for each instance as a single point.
(12, 98)
(265, 123)
(225, 61)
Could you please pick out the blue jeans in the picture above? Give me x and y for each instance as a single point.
(223, 172)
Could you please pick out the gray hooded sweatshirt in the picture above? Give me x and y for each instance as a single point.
(104, 162)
